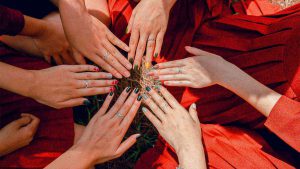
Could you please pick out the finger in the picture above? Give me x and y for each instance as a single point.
(130, 23)
(110, 59)
(105, 105)
(140, 49)
(74, 102)
(47, 58)
(169, 64)
(150, 49)
(153, 119)
(169, 97)
(166, 71)
(33, 125)
(67, 58)
(174, 77)
(93, 91)
(196, 51)
(126, 106)
(161, 102)
(155, 109)
(159, 42)
(182, 83)
(21, 122)
(79, 58)
(95, 83)
(93, 75)
(116, 41)
(57, 59)
(116, 54)
(193, 113)
(83, 68)
(116, 107)
(126, 145)
(131, 114)
(105, 66)
(134, 38)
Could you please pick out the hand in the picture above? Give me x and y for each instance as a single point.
(18, 133)
(148, 24)
(102, 138)
(94, 40)
(180, 128)
(202, 70)
(67, 85)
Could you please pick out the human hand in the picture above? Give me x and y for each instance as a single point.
(18, 133)
(67, 85)
(147, 25)
(202, 70)
(102, 138)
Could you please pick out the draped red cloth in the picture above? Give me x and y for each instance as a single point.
(266, 47)
(56, 130)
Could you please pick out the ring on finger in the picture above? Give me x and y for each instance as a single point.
(106, 55)
(119, 115)
(86, 84)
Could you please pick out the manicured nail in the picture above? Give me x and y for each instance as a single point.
(109, 76)
(111, 93)
(148, 89)
(144, 109)
(115, 82)
(126, 31)
(155, 67)
(155, 55)
(127, 74)
(87, 102)
(145, 97)
(194, 106)
(139, 98)
(156, 77)
(119, 76)
(135, 67)
(131, 60)
(147, 65)
(139, 135)
(136, 90)
(96, 69)
(112, 89)
(150, 74)
(128, 89)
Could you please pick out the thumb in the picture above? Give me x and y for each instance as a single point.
(21, 122)
(196, 51)
(193, 113)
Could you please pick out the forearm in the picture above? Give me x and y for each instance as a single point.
(33, 27)
(258, 95)
(193, 159)
(15, 79)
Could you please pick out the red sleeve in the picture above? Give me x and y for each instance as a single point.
(284, 121)
(11, 21)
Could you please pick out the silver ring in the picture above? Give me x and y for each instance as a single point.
(86, 83)
(119, 115)
(106, 55)
(151, 39)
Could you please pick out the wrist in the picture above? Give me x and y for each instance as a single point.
(169, 4)
(33, 27)
(84, 154)
(193, 158)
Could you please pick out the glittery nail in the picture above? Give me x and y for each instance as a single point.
(139, 98)
(148, 89)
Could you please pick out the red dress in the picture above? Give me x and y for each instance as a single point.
(56, 130)
(267, 48)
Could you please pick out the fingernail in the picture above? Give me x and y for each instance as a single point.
(156, 77)
(128, 66)
(139, 98)
(148, 89)
(135, 67)
(155, 67)
(150, 74)
(131, 60)
(119, 76)
(127, 74)
(111, 93)
(147, 65)
(145, 96)
(96, 69)
(109, 76)
(128, 89)
(126, 31)
(155, 55)
(144, 109)
(87, 102)
(136, 90)
(139, 135)
(115, 82)
(112, 89)
(194, 106)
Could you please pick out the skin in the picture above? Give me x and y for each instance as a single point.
(93, 39)
(145, 24)
(18, 133)
(97, 146)
(206, 69)
(57, 87)
(179, 127)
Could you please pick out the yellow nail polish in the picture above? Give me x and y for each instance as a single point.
(147, 65)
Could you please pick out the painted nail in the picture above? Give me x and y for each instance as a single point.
(126, 31)
(156, 77)
(147, 65)
(115, 82)
(139, 98)
(194, 106)
(144, 109)
(131, 60)
(148, 89)
(112, 89)
(155, 55)
(87, 102)
(150, 74)
(139, 135)
(128, 89)
(109, 76)
(145, 97)
(136, 90)
(96, 69)
(136, 67)
(111, 93)
(155, 67)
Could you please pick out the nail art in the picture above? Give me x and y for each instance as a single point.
(139, 135)
(112, 89)
(148, 89)
(111, 93)
(139, 98)
(115, 82)
(136, 90)
(131, 60)
(128, 89)
(96, 69)
(87, 102)
(145, 97)
(155, 55)
(144, 109)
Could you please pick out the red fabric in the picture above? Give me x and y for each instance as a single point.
(56, 130)
(284, 120)
(266, 47)
(11, 21)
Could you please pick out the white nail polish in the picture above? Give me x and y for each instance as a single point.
(194, 106)
(144, 109)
